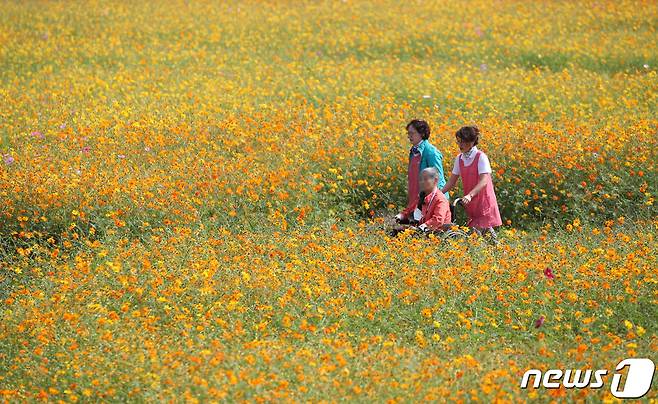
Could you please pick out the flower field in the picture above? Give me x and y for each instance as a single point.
(193, 199)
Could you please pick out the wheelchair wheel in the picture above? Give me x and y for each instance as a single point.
(454, 234)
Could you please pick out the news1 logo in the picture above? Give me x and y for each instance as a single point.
(637, 384)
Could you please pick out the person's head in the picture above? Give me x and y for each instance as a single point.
(467, 137)
(417, 130)
(429, 179)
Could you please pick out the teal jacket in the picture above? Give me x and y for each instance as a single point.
(431, 157)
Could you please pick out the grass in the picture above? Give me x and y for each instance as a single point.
(194, 199)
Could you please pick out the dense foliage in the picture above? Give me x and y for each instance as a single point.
(192, 193)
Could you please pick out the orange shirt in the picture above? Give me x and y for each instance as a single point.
(436, 210)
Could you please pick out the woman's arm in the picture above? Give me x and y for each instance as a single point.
(409, 209)
(434, 159)
(482, 182)
(451, 183)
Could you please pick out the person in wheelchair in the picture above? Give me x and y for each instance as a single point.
(433, 211)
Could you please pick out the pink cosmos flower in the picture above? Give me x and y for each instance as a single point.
(548, 272)
(539, 322)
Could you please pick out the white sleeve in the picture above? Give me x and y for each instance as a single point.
(455, 166)
(483, 164)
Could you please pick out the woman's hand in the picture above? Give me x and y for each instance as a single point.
(399, 217)
(482, 182)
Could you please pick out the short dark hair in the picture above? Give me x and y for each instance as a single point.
(421, 127)
(469, 134)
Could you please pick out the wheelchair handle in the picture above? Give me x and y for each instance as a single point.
(459, 202)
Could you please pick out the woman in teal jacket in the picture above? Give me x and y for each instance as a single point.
(422, 155)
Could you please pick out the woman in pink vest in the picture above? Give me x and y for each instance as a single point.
(421, 156)
(479, 199)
